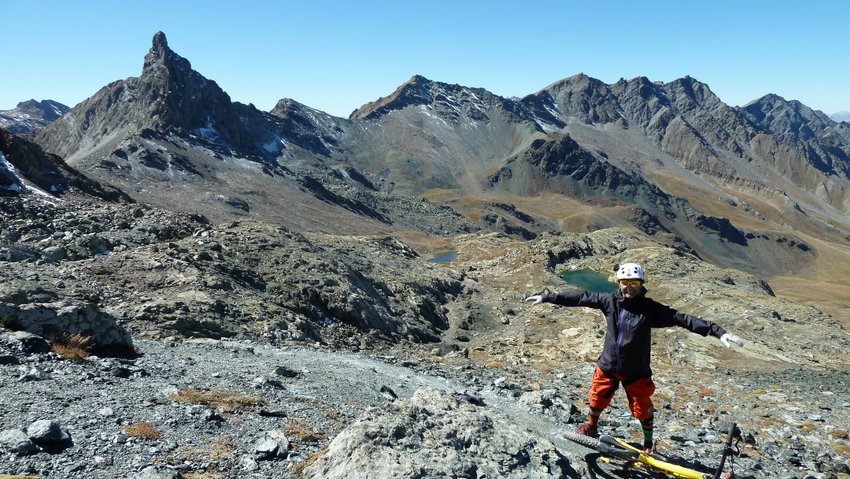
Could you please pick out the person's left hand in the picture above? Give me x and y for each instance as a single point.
(537, 298)
(727, 339)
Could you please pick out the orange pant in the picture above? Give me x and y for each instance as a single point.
(638, 392)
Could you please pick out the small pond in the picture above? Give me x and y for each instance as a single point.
(444, 256)
(589, 280)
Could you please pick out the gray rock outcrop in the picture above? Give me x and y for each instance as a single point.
(57, 320)
(33, 167)
(436, 434)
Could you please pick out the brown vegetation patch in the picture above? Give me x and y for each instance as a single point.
(299, 433)
(226, 399)
(204, 475)
(311, 459)
(808, 426)
(842, 448)
(219, 450)
(74, 347)
(144, 430)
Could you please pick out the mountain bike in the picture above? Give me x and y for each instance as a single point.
(618, 451)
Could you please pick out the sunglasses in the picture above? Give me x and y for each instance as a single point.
(631, 282)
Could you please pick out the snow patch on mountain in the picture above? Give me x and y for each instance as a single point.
(276, 145)
(18, 183)
(8, 173)
(208, 132)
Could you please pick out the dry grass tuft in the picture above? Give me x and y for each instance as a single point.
(842, 448)
(75, 347)
(6, 476)
(204, 475)
(215, 399)
(222, 449)
(300, 434)
(808, 426)
(311, 459)
(218, 450)
(144, 430)
(707, 392)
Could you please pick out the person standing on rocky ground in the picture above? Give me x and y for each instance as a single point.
(630, 316)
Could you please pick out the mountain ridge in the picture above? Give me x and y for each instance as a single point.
(445, 142)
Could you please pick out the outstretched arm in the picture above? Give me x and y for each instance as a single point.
(572, 297)
(667, 316)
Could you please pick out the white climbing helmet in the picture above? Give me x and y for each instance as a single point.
(630, 271)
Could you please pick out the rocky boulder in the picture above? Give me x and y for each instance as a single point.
(58, 320)
(438, 434)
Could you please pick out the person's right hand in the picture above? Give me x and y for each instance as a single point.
(537, 298)
(728, 339)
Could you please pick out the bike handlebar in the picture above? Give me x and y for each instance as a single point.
(727, 449)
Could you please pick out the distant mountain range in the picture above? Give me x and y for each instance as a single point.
(764, 187)
(840, 116)
(29, 116)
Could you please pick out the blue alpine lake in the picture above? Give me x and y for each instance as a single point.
(589, 280)
(444, 257)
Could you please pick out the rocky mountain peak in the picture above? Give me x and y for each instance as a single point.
(159, 41)
(412, 92)
(641, 91)
(169, 96)
(578, 96)
(688, 95)
(578, 83)
(181, 97)
(452, 103)
(695, 90)
(31, 115)
(161, 55)
(780, 116)
(46, 110)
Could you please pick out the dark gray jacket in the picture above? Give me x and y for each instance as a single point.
(629, 337)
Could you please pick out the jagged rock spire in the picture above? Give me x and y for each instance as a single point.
(160, 54)
(159, 41)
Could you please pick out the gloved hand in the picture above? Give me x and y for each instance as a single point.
(727, 339)
(537, 298)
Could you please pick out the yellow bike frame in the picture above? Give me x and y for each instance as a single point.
(647, 461)
(618, 451)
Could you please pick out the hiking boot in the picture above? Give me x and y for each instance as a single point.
(587, 429)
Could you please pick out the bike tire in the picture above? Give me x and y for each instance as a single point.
(586, 441)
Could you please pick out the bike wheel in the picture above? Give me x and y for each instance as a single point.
(586, 441)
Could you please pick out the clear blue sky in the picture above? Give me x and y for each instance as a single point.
(339, 55)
